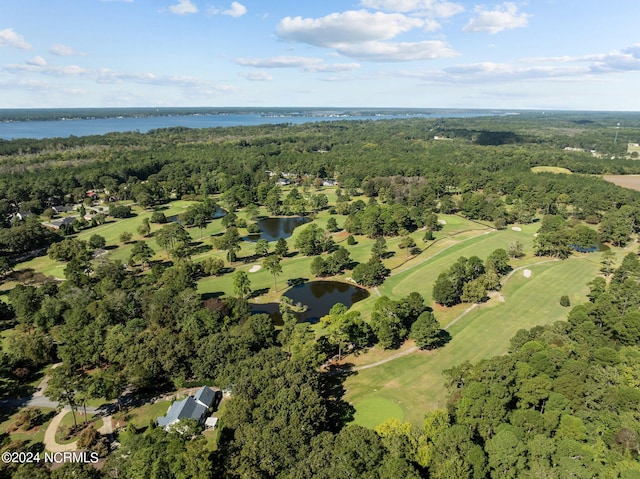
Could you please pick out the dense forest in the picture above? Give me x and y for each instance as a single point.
(562, 403)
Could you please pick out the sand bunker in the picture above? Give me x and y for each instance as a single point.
(442, 222)
(255, 268)
(527, 273)
(516, 228)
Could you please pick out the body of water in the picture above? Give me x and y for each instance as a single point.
(321, 296)
(318, 297)
(274, 229)
(62, 127)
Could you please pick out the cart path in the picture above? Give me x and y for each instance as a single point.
(52, 445)
(413, 349)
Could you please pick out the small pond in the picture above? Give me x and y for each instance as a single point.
(218, 214)
(319, 297)
(275, 228)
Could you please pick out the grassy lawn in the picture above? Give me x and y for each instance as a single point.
(141, 416)
(420, 274)
(415, 383)
(33, 435)
(67, 422)
(550, 169)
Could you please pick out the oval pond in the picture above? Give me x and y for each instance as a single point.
(320, 296)
(278, 227)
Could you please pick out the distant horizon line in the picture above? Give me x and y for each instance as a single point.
(254, 107)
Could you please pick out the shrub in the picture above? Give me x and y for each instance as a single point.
(120, 211)
(564, 301)
(96, 241)
(351, 240)
(253, 228)
(158, 217)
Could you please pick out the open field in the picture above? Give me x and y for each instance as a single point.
(550, 169)
(415, 382)
(626, 181)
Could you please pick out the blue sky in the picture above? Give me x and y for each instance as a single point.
(536, 54)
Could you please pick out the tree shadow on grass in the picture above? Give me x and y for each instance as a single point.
(200, 248)
(297, 281)
(339, 412)
(215, 295)
(258, 292)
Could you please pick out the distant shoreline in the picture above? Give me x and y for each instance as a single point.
(63, 114)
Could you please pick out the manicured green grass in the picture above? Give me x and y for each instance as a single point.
(377, 409)
(550, 169)
(420, 276)
(141, 416)
(416, 383)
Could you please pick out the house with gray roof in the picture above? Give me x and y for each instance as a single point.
(62, 222)
(194, 407)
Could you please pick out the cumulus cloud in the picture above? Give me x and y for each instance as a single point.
(435, 8)
(347, 27)
(37, 61)
(257, 76)
(627, 59)
(365, 35)
(64, 51)
(183, 7)
(235, 10)
(9, 38)
(398, 51)
(502, 17)
(304, 63)
(563, 68)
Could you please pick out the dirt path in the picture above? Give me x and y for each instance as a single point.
(52, 445)
(49, 441)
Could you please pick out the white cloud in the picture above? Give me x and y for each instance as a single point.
(277, 62)
(236, 10)
(362, 34)
(620, 61)
(257, 76)
(563, 68)
(109, 76)
(308, 64)
(43, 68)
(37, 61)
(334, 67)
(502, 17)
(398, 51)
(347, 27)
(64, 51)
(183, 7)
(9, 38)
(433, 8)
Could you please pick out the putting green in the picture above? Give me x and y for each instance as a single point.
(375, 410)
